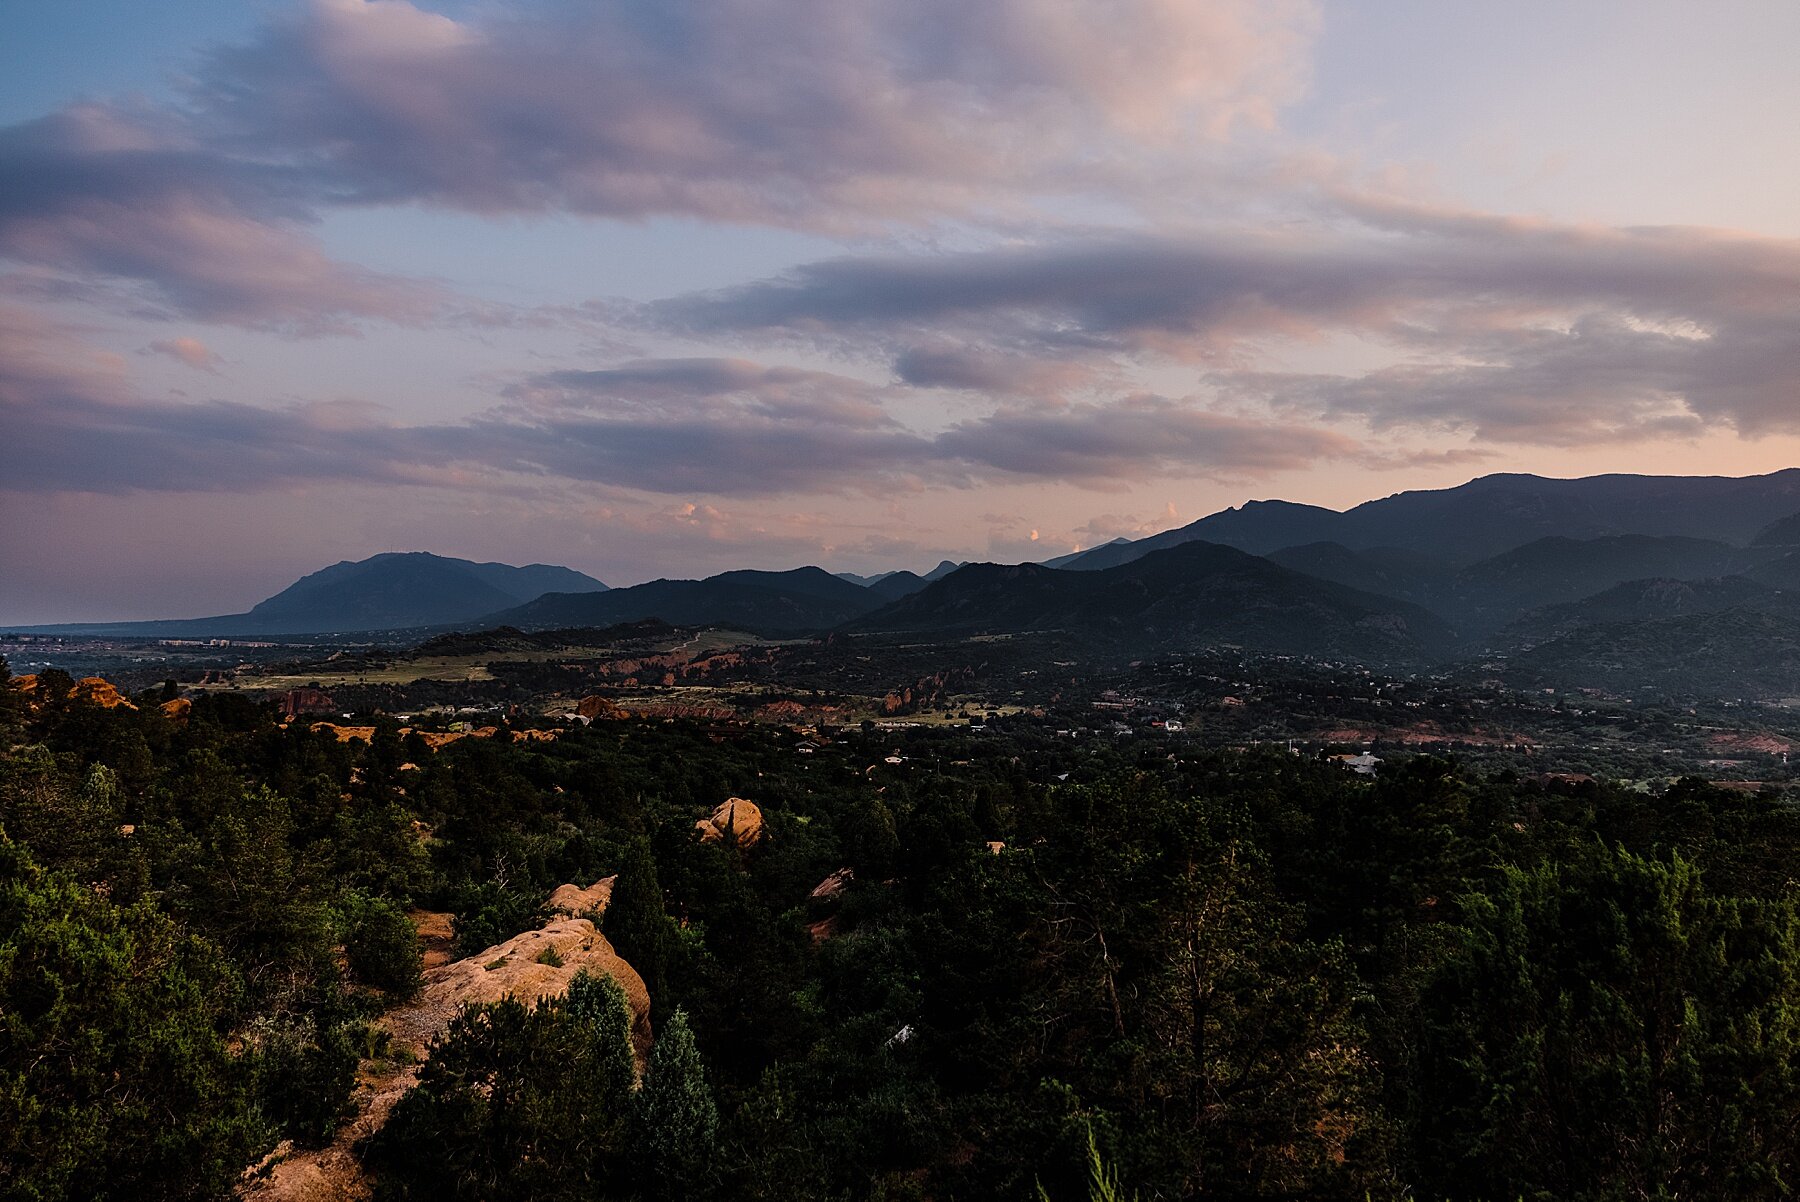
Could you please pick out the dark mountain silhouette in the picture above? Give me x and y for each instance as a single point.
(1648, 600)
(393, 591)
(1737, 652)
(1496, 513)
(801, 601)
(895, 585)
(1551, 571)
(1782, 533)
(410, 589)
(1194, 595)
(944, 568)
(1487, 595)
(1063, 561)
(1407, 575)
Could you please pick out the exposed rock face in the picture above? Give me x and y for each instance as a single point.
(97, 690)
(345, 734)
(524, 967)
(736, 820)
(595, 707)
(832, 887)
(94, 690)
(516, 968)
(298, 702)
(576, 901)
(437, 936)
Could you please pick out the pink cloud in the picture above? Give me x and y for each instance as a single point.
(191, 351)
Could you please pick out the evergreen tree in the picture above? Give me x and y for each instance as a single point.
(117, 1079)
(677, 1122)
(517, 1102)
(12, 706)
(601, 1004)
(1607, 1029)
(636, 923)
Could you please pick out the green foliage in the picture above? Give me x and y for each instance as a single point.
(677, 1122)
(1103, 1180)
(491, 913)
(1246, 975)
(636, 922)
(1608, 1029)
(305, 1067)
(516, 1102)
(382, 946)
(116, 1074)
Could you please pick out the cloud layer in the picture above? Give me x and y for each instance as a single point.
(1514, 332)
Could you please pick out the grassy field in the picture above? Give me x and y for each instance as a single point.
(407, 669)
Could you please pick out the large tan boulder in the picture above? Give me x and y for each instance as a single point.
(97, 690)
(577, 902)
(599, 708)
(736, 820)
(529, 967)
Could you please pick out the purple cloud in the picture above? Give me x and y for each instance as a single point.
(90, 194)
(1516, 332)
(683, 427)
(809, 112)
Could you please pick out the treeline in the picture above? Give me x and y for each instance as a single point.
(1243, 976)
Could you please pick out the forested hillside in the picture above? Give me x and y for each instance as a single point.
(939, 966)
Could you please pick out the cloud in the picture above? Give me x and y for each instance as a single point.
(91, 193)
(191, 351)
(738, 428)
(794, 112)
(1125, 440)
(1517, 332)
(685, 427)
(823, 114)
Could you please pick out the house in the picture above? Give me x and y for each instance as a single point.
(1363, 765)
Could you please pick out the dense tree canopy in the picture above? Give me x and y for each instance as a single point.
(1243, 975)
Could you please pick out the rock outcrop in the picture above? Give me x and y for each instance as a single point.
(94, 690)
(598, 707)
(529, 967)
(577, 902)
(832, 887)
(737, 821)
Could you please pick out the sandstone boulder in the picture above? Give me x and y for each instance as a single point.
(597, 707)
(578, 902)
(832, 887)
(737, 820)
(97, 690)
(529, 967)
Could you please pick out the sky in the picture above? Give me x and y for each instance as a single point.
(668, 287)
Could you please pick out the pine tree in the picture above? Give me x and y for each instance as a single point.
(1609, 1029)
(677, 1122)
(636, 923)
(601, 1004)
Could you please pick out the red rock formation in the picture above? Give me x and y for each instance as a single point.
(737, 820)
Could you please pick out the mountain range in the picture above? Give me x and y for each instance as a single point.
(392, 591)
(1554, 570)
(1495, 513)
(1185, 597)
